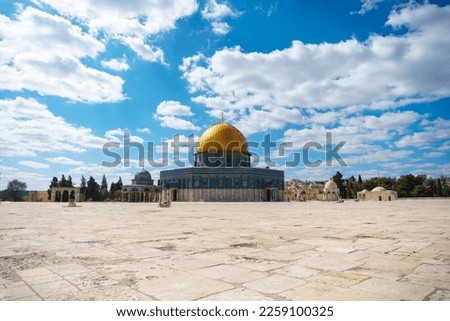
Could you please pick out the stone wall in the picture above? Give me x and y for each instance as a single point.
(227, 195)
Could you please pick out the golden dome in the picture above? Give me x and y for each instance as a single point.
(222, 137)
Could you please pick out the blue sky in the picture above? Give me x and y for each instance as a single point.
(75, 75)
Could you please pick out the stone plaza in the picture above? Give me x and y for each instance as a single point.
(235, 251)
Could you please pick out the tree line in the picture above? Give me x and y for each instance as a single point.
(406, 185)
(90, 190)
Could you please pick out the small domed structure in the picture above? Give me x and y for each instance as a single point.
(141, 188)
(379, 193)
(331, 191)
(142, 177)
(331, 185)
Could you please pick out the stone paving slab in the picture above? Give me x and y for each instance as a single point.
(394, 289)
(237, 295)
(181, 286)
(226, 251)
(273, 284)
(15, 293)
(317, 292)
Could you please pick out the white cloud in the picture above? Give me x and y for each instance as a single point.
(33, 164)
(131, 22)
(143, 50)
(434, 154)
(28, 127)
(36, 45)
(379, 156)
(397, 121)
(433, 131)
(382, 72)
(368, 5)
(177, 123)
(144, 130)
(116, 64)
(62, 160)
(216, 12)
(173, 108)
(170, 114)
(117, 135)
(365, 137)
(220, 28)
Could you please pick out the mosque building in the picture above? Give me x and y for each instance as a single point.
(222, 172)
(141, 188)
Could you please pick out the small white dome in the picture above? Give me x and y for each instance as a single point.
(379, 189)
(331, 185)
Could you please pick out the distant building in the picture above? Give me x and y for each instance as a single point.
(66, 194)
(296, 190)
(222, 172)
(377, 194)
(330, 191)
(141, 189)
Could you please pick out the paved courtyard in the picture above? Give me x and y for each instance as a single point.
(226, 251)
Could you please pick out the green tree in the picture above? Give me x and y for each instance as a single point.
(337, 178)
(360, 181)
(54, 183)
(69, 182)
(116, 189)
(422, 191)
(14, 190)
(83, 186)
(405, 185)
(104, 189)
(439, 188)
(104, 183)
(63, 181)
(92, 190)
(385, 182)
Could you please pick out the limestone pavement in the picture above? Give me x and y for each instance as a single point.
(226, 251)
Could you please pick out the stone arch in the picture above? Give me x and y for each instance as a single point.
(65, 194)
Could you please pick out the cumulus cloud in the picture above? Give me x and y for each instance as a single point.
(433, 131)
(28, 127)
(117, 135)
(116, 64)
(220, 28)
(216, 12)
(173, 108)
(131, 22)
(367, 138)
(380, 73)
(170, 114)
(62, 160)
(33, 164)
(36, 45)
